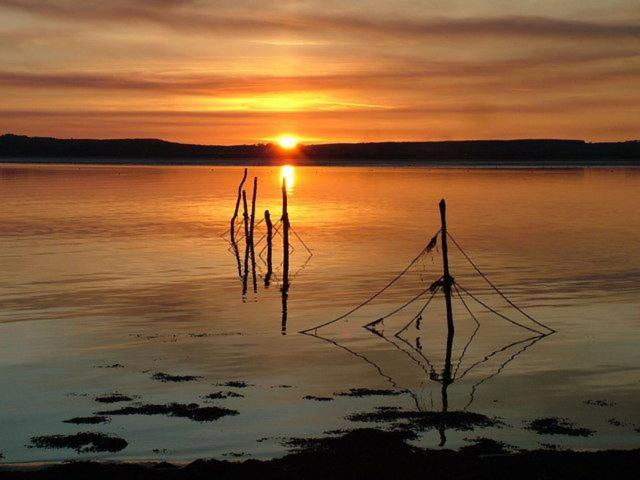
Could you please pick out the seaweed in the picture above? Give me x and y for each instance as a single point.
(234, 384)
(165, 377)
(599, 403)
(369, 392)
(422, 421)
(95, 419)
(82, 442)
(113, 398)
(485, 446)
(318, 399)
(353, 440)
(191, 411)
(221, 395)
(557, 426)
(616, 423)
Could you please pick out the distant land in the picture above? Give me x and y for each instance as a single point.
(23, 149)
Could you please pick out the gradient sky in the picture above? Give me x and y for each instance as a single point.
(245, 71)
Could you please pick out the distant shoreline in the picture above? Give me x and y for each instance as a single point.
(453, 164)
(466, 154)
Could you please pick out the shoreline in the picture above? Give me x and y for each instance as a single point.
(359, 453)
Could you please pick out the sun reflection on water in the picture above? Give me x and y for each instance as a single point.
(288, 173)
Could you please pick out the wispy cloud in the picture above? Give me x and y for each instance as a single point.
(185, 16)
(326, 69)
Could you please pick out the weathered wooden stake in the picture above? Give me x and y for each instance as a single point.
(285, 255)
(232, 228)
(267, 220)
(245, 215)
(447, 280)
(251, 230)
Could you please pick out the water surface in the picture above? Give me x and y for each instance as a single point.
(130, 266)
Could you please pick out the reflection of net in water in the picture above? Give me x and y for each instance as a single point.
(262, 263)
(417, 306)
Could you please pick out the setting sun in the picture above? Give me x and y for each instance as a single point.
(288, 142)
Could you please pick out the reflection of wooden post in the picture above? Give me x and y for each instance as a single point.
(251, 230)
(236, 253)
(232, 228)
(267, 220)
(246, 244)
(285, 255)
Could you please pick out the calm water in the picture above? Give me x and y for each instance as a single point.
(127, 265)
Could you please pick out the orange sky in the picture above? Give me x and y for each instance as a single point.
(245, 71)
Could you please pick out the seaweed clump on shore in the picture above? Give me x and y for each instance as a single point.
(191, 411)
(356, 441)
(113, 398)
(165, 377)
(82, 442)
(222, 395)
(485, 446)
(600, 403)
(557, 426)
(318, 399)
(93, 420)
(234, 384)
(370, 392)
(422, 421)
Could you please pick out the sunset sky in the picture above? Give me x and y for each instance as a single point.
(247, 71)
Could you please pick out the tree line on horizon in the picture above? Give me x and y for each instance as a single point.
(18, 147)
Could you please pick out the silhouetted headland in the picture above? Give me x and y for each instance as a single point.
(16, 148)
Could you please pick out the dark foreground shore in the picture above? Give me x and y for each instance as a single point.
(368, 453)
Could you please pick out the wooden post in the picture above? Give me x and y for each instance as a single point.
(251, 230)
(285, 255)
(232, 228)
(447, 280)
(246, 244)
(267, 220)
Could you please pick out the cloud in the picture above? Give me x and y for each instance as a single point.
(191, 17)
(390, 74)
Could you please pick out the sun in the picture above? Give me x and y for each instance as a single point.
(288, 142)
